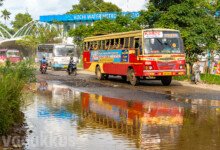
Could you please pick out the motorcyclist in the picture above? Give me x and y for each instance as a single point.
(71, 60)
(71, 66)
(43, 61)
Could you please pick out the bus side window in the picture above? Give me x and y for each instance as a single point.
(107, 44)
(131, 42)
(90, 46)
(102, 45)
(98, 45)
(117, 44)
(112, 43)
(122, 42)
(95, 45)
(126, 43)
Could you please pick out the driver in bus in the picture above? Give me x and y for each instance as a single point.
(166, 45)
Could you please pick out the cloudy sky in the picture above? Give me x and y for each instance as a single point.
(49, 7)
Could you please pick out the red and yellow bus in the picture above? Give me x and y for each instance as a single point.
(149, 112)
(136, 55)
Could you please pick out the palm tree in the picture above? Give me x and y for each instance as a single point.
(6, 15)
(1, 2)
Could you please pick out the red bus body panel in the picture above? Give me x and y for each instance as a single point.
(146, 111)
(161, 66)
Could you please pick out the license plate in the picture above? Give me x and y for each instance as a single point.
(167, 73)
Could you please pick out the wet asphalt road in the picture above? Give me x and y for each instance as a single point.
(115, 87)
(112, 114)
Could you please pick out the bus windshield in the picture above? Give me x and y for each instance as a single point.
(63, 51)
(3, 53)
(13, 53)
(169, 43)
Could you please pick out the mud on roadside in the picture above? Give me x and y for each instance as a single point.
(15, 138)
(86, 80)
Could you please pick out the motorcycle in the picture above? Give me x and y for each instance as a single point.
(43, 68)
(72, 69)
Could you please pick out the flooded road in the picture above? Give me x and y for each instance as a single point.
(60, 117)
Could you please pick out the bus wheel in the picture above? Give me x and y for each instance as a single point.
(166, 80)
(124, 78)
(106, 76)
(99, 74)
(132, 78)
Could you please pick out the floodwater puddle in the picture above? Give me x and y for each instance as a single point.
(62, 118)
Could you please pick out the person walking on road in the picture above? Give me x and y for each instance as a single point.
(196, 72)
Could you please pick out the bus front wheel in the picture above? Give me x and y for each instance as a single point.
(124, 78)
(99, 74)
(166, 81)
(132, 78)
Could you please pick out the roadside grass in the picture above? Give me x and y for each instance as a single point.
(210, 79)
(182, 78)
(206, 78)
(12, 81)
(80, 64)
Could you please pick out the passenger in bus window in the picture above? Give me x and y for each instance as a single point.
(96, 47)
(115, 45)
(122, 43)
(107, 45)
(90, 47)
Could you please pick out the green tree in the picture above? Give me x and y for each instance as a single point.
(5, 15)
(163, 5)
(91, 6)
(194, 18)
(40, 35)
(149, 17)
(11, 31)
(21, 20)
(102, 27)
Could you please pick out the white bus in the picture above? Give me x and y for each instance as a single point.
(57, 55)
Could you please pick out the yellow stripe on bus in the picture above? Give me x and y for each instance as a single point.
(93, 65)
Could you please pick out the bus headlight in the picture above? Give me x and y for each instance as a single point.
(149, 67)
(182, 67)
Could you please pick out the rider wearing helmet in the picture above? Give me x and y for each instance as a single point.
(43, 61)
(71, 59)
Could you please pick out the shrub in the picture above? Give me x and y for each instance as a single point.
(12, 80)
(206, 78)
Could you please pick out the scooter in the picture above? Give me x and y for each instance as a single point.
(72, 69)
(43, 68)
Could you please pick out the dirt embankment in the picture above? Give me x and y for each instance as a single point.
(15, 139)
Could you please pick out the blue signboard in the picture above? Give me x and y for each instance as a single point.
(85, 17)
(110, 56)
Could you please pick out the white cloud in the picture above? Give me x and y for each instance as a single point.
(129, 5)
(51, 7)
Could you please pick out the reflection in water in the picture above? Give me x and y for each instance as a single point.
(75, 120)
